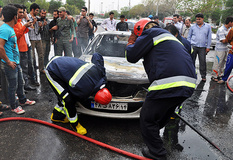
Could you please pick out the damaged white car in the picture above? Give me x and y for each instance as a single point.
(126, 81)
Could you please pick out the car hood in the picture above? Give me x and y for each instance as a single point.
(118, 69)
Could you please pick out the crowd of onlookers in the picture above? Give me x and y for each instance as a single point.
(21, 58)
(199, 36)
(70, 36)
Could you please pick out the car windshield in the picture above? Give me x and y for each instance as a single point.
(109, 45)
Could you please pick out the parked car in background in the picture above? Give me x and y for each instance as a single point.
(213, 40)
(130, 25)
(126, 81)
(98, 21)
(167, 20)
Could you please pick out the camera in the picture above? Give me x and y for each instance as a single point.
(84, 17)
(40, 19)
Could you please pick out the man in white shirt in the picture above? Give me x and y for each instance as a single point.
(109, 24)
(176, 22)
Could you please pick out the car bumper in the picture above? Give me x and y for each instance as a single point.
(132, 112)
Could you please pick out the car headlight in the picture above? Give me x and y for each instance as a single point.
(140, 94)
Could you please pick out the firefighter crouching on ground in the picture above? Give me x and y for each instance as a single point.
(75, 80)
(172, 76)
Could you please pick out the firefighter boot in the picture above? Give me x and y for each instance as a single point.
(77, 127)
(59, 117)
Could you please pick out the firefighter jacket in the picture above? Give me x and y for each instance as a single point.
(166, 61)
(83, 79)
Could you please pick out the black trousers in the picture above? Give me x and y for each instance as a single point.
(154, 115)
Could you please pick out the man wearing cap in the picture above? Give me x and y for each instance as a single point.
(65, 33)
(75, 80)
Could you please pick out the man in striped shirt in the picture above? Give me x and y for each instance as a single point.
(221, 49)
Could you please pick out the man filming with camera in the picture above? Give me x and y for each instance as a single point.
(45, 35)
(84, 23)
(35, 36)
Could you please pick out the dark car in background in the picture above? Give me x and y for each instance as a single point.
(130, 25)
(126, 81)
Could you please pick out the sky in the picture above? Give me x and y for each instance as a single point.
(108, 5)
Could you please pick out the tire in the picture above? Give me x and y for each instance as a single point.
(230, 83)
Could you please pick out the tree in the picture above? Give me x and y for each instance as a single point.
(1, 3)
(77, 3)
(116, 14)
(43, 4)
(125, 11)
(206, 7)
(72, 9)
(6, 2)
(53, 4)
(137, 11)
(228, 11)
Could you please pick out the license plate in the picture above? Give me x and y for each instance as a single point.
(110, 106)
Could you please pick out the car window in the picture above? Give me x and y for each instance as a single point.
(130, 24)
(91, 47)
(112, 45)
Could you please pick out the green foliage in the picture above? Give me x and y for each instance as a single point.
(53, 4)
(125, 11)
(116, 14)
(72, 9)
(78, 3)
(28, 4)
(138, 10)
(43, 4)
(6, 2)
(1, 3)
(228, 11)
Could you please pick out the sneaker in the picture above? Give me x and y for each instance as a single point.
(28, 102)
(18, 110)
(16, 97)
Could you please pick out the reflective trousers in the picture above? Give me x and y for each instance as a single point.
(66, 101)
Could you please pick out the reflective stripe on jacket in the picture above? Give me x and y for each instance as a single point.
(83, 79)
(167, 63)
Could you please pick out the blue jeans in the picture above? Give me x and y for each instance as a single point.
(228, 68)
(31, 70)
(46, 48)
(15, 85)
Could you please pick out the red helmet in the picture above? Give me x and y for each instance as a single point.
(139, 26)
(103, 96)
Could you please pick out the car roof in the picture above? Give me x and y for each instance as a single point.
(125, 33)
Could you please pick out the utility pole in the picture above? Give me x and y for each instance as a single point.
(157, 8)
(223, 8)
(89, 11)
(129, 4)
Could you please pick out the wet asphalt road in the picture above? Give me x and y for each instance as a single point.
(209, 110)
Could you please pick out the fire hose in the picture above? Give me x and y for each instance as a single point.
(75, 134)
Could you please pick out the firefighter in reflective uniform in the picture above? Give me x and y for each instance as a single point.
(75, 80)
(172, 76)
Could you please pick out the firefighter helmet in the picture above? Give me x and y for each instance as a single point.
(139, 27)
(103, 96)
